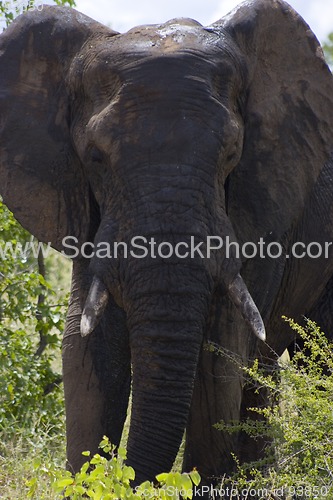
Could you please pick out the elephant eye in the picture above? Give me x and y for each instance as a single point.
(96, 155)
(230, 156)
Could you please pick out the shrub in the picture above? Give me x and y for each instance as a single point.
(299, 426)
(30, 323)
(109, 479)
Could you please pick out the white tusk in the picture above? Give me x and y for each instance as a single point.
(242, 299)
(95, 305)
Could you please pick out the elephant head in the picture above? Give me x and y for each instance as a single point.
(175, 132)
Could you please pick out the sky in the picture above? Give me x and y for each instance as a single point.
(122, 15)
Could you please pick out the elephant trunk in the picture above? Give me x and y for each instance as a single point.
(166, 333)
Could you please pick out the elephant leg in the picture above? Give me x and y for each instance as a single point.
(216, 397)
(252, 449)
(322, 311)
(96, 373)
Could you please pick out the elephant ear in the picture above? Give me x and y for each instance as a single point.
(288, 118)
(41, 178)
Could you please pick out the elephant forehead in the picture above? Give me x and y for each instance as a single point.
(174, 36)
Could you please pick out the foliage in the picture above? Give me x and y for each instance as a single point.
(31, 316)
(328, 49)
(30, 321)
(299, 427)
(107, 479)
(17, 460)
(9, 9)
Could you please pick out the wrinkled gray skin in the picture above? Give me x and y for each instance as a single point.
(171, 131)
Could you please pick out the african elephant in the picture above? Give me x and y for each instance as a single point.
(173, 133)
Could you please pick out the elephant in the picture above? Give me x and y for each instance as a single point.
(204, 140)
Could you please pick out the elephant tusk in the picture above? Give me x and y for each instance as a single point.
(95, 305)
(242, 299)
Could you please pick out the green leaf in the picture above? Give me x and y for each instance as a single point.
(80, 489)
(195, 477)
(96, 459)
(186, 485)
(161, 478)
(128, 473)
(62, 483)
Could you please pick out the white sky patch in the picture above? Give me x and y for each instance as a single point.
(122, 15)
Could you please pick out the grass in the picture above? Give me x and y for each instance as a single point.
(19, 455)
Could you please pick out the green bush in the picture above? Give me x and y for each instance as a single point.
(298, 427)
(31, 319)
(110, 479)
(11, 9)
(328, 49)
